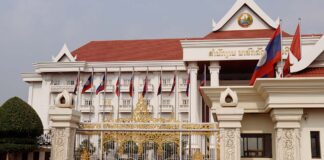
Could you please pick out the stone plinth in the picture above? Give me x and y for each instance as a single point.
(64, 122)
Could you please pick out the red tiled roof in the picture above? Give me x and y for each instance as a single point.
(309, 72)
(154, 49)
(239, 34)
(130, 50)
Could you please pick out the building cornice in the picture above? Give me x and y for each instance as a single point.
(31, 77)
(267, 94)
(242, 42)
(111, 66)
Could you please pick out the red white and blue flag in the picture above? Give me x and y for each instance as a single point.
(117, 91)
(173, 84)
(102, 85)
(87, 85)
(295, 49)
(131, 86)
(144, 87)
(265, 66)
(188, 85)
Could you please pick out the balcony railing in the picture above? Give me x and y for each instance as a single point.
(125, 108)
(150, 87)
(184, 108)
(86, 108)
(61, 88)
(106, 108)
(166, 108)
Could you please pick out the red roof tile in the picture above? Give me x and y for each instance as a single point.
(239, 34)
(130, 50)
(309, 72)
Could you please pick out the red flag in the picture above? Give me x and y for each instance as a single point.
(160, 86)
(144, 87)
(131, 86)
(173, 85)
(87, 85)
(188, 85)
(117, 91)
(295, 49)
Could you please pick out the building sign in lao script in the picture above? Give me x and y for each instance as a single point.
(252, 53)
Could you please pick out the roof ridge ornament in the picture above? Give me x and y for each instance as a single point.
(237, 6)
(64, 52)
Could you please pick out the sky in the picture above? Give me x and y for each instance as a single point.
(33, 31)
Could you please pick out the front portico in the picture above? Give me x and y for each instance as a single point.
(274, 107)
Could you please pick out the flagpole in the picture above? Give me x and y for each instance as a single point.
(190, 112)
(176, 93)
(91, 95)
(161, 94)
(104, 96)
(118, 93)
(281, 62)
(300, 38)
(77, 90)
(132, 90)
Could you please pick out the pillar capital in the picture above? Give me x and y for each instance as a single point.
(287, 135)
(286, 118)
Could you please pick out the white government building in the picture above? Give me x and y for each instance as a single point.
(276, 118)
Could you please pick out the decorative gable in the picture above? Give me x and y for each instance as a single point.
(245, 15)
(64, 55)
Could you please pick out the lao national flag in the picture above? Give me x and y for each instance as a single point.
(144, 87)
(160, 86)
(188, 85)
(173, 85)
(87, 85)
(102, 85)
(295, 49)
(131, 86)
(265, 66)
(117, 91)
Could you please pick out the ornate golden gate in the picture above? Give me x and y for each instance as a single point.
(145, 138)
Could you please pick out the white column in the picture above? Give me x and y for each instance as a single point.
(194, 101)
(214, 73)
(287, 136)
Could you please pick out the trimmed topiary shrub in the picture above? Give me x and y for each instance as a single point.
(19, 126)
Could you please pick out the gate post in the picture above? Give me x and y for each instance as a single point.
(229, 117)
(64, 120)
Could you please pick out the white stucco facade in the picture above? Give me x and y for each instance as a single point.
(287, 109)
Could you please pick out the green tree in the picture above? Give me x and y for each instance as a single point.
(20, 127)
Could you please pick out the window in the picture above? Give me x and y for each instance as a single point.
(126, 82)
(166, 82)
(166, 101)
(315, 144)
(148, 101)
(256, 145)
(107, 102)
(126, 102)
(55, 82)
(185, 101)
(88, 102)
(69, 82)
